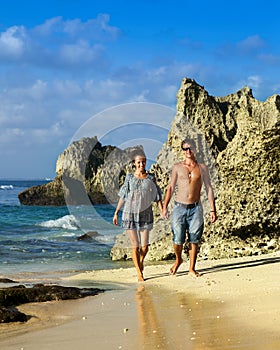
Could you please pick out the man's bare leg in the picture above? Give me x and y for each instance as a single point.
(193, 255)
(178, 252)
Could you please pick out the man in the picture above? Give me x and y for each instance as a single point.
(187, 215)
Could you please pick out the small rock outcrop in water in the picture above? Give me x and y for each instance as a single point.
(88, 236)
(14, 296)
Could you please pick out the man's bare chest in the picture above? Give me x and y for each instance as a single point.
(189, 173)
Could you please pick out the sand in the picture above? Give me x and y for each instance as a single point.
(234, 305)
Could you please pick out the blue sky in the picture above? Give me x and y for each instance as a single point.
(63, 62)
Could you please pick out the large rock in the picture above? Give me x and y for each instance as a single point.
(238, 138)
(47, 194)
(87, 173)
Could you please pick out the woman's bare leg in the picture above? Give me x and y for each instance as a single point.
(136, 253)
(137, 264)
(144, 242)
(143, 253)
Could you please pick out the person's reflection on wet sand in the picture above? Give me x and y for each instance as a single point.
(171, 320)
(152, 334)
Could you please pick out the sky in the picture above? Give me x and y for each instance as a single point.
(77, 68)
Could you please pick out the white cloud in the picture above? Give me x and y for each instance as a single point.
(50, 26)
(254, 82)
(251, 43)
(246, 47)
(38, 90)
(67, 88)
(12, 42)
(59, 43)
(97, 29)
(79, 53)
(270, 59)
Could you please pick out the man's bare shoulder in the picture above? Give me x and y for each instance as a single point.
(177, 166)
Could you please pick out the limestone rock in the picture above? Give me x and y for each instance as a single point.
(48, 194)
(87, 173)
(238, 138)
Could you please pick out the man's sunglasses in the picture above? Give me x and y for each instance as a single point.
(186, 149)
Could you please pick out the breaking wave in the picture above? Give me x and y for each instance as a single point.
(68, 222)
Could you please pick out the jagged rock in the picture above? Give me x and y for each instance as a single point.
(87, 173)
(238, 138)
(47, 194)
(14, 296)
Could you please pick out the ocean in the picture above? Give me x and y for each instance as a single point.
(44, 239)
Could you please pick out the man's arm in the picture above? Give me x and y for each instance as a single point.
(169, 192)
(209, 192)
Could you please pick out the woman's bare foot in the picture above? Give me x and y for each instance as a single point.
(175, 267)
(141, 265)
(194, 274)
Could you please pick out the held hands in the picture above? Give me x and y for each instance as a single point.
(164, 214)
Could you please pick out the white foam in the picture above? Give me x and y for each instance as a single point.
(67, 222)
(6, 187)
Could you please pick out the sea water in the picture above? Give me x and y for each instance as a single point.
(45, 238)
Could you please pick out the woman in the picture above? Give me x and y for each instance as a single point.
(137, 194)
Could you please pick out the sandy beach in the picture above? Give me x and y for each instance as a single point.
(234, 305)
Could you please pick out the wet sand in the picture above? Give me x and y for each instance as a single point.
(234, 305)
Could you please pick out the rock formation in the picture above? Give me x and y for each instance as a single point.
(238, 138)
(86, 174)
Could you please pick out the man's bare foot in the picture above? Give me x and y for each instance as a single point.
(175, 267)
(141, 278)
(194, 274)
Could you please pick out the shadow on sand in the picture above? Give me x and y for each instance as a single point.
(224, 267)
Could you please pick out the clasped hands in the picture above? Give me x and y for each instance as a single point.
(164, 214)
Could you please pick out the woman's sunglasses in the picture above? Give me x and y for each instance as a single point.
(186, 149)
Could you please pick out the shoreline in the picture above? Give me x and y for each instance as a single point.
(234, 304)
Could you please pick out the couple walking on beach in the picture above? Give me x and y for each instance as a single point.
(140, 190)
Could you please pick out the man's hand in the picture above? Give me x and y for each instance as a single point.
(213, 216)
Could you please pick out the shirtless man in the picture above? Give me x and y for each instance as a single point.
(187, 215)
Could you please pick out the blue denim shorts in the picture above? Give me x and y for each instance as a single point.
(187, 220)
